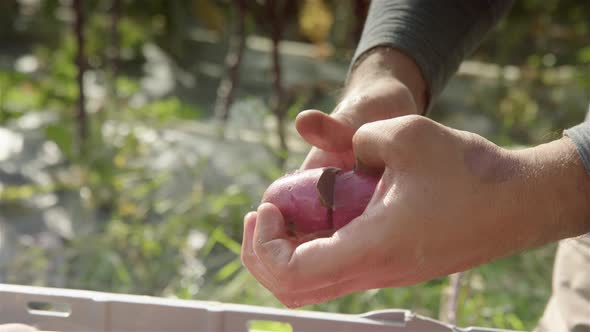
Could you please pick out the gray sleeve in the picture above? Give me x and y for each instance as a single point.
(436, 34)
(580, 135)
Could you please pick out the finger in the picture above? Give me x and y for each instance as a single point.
(248, 256)
(330, 133)
(314, 264)
(271, 239)
(257, 268)
(377, 274)
(249, 225)
(318, 158)
(289, 297)
(292, 298)
(362, 277)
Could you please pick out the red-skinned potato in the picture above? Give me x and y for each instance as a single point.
(321, 199)
(352, 193)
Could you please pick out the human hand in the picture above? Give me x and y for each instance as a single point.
(448, 200)
(385, 84)
(331, 135)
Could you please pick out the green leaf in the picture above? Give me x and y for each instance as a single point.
(229, 243)
(62, 136)
(228, 269)
(211, 242)
(269, 326)
(584, 55)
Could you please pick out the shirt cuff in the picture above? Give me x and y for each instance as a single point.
(580, 135)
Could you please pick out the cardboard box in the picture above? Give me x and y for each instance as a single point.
(77, 310)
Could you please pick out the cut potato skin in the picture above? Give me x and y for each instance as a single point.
(296, 195)
(352, 193)
(311, 205)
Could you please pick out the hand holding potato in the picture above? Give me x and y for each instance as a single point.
(448, 200)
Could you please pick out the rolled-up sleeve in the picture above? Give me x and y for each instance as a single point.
(580, 135)
(438, 35)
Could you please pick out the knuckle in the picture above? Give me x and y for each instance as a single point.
(398, 139)
(267, 250)
(251, 266)
(262, 249)
(284, 271)
(396, 132)
(244, 258)
(408, 135)
(410, 128)
(285, 276)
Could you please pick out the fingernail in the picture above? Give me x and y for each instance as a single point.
(264, 211)
(263, 206)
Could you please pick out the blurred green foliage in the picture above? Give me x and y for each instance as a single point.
(144, 243)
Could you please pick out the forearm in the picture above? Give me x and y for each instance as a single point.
(556, 186)
(571, 179)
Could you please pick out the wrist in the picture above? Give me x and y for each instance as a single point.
(560, 187)
(384, 84)
(384, 63)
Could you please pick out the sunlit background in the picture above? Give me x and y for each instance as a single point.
(139, 184)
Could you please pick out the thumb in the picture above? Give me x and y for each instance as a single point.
(329, 133)
(371, 145)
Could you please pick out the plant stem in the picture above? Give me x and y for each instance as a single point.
(453, 299)
(233, 60)
(80, 61)
(276, 32)
(3, 113)
(115, 40)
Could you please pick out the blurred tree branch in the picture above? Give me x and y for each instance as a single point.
(276, 15)
(115, 40)
(450, 298)
(81, 63)
(271, 16)
(233, 60)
